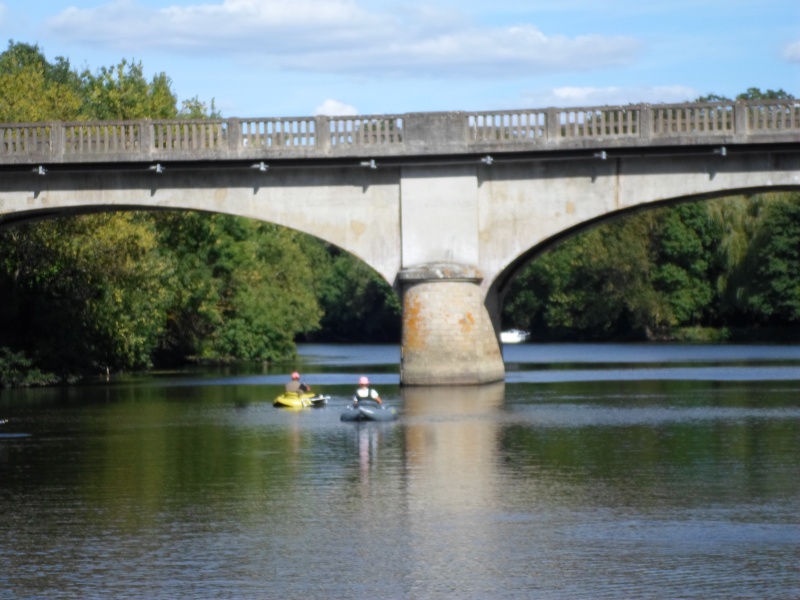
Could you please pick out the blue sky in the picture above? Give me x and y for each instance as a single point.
(264, 58)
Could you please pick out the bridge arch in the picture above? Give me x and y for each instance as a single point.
(356, 213)
(105, 234)
(534, 207)
(500, 287)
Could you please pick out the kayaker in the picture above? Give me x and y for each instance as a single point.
(364, 391)
(296, 386)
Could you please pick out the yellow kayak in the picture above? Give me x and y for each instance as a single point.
(301, 400)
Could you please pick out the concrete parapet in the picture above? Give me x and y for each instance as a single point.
(448, 337)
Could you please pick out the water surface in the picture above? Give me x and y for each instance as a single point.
(594, 471)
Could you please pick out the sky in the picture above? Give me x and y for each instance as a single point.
(286, 58)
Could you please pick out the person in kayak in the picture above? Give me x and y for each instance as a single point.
(364, 391)
(296, 386)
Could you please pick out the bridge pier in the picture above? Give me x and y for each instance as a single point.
(448, 336)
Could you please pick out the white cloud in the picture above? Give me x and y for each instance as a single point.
(341, 36)
(335, 108)
(792, 52)
(609, 96)
(479, 53)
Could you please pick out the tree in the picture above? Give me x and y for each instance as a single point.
(84, 293)
(243, 289)
(684, 269)
(769, 277)
(358, 304)
(752, 93)
(194, 108)
(596, 285)
(121, 92)
(755, 93)
(34, 90)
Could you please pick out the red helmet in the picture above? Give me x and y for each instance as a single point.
(295, 375)
(363, 381)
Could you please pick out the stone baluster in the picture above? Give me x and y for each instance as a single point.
(645, 122)
(322, 133)
(234, 131)
(57, 139)
(740, 123)
(553, 124)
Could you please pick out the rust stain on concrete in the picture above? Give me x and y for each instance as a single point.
(220, 194)
(467, 323)
(570, 207)
(414, 331)
(358, 227)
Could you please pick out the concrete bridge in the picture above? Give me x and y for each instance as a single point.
(445, 206)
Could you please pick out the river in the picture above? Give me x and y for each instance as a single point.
(593, 471)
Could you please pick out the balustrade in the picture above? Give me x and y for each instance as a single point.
(696, 119)
(774, 116)
(26, 139)
(365, 131)
(185, 139)
(599, 122)
(508, 126)
(195, 134)
(277, 133)
(101, 137)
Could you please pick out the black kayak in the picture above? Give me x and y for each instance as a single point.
(368, 410)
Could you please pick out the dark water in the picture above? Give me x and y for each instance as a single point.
(592, 472)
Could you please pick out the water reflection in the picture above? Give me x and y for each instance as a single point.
(451, 439)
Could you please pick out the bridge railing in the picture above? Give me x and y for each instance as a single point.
(413, 133)
(611, 121)
(508, 125)
(365, 131)
(27, 138)
(773, 116)
(278, 133)
(696, 120)
(188, 135)
(100, 138)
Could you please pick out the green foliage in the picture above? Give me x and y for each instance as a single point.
(752, 93)
(673, 272)
(243, 289)
(122, 92)
(755, 93)
(771, 294)
(683, 275)
(358, 304)
(597, 285)
(33, 90)
(83, 294)
(194, 108)
(20, 58)
(16, 370)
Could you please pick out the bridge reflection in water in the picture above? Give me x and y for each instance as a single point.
(452, 436)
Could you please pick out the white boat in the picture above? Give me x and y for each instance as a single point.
(514, 336)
